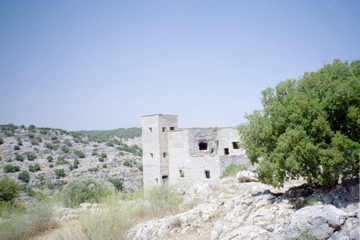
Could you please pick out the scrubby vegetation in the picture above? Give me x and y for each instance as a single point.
(232, 170)
(85, 189)
(119, 132)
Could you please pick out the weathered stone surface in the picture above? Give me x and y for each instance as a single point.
(257, 211)
(319, 221)
(246, 176)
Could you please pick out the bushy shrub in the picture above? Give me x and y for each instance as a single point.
(38, 138)
(101, 159)
(76, 163)
(44, 132)
(11, 168)
(32, 128)
(24, 176)
(117, 182)
(9, 190)
(94, 153)
(34, 168)
(95, 169)
(79, 153)
(128, 163)
(68, 143)
(59, 173)
(16, 147)
(85, 189)
(103, 155)
(19, 157)
(50, 158)
(31, 135)
(232, 170)
(19, 142)
(52, 147)
(30, 156)
(1, 141)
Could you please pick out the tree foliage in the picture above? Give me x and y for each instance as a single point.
(85, 189)
(308, 128)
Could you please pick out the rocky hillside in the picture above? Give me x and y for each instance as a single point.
(252, 210)
(45, 158)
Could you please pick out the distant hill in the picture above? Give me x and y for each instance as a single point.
(124, 133)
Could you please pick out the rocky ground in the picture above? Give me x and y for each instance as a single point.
(111, 159)
(233, 210)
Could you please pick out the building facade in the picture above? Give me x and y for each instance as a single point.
(173, 155)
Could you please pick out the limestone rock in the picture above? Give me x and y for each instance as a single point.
(246, 176)
(319, 221)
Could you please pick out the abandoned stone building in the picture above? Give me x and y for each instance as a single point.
(186, 155)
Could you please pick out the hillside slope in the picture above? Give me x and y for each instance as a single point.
(52, 157)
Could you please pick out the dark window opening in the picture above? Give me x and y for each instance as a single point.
(212, 150)
(163, 129)
(226, 151)
(207, 173)
(203, 146)
(151, 155)
(172, 128)
(165, 179)
(235, 145)
(182, 173)
(164, 154)
(150, 129)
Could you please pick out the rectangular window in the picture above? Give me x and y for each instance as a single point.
(207, 173)
(182, 173)
(203, 146)
(150, 129)
(165, 179)
(226, 151)
(235, 145)
(172, 128)
(151, 155)
(163, 129)
(164, 154)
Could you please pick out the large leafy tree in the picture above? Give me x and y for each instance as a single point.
(308, 128)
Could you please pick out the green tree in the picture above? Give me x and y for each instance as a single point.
(1, 141)
(308, 128)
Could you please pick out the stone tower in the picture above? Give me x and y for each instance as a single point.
(155, 130)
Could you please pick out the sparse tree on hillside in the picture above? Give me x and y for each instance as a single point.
(308, 128)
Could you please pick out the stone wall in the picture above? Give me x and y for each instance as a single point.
(186, 155)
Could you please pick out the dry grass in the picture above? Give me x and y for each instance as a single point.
(21, 225)
(113, 218)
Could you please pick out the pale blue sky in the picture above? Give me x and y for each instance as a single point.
(103, 64)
